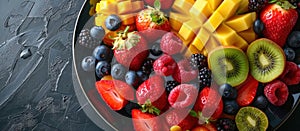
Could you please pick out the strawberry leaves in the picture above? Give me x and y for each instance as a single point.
(148, 107)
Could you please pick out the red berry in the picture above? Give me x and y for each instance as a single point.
(145, 121)
(152, 89)
(276, 92)
(165, 65)
(184, 72)
(247, 92)
(181, 118)
(182, 96)
(171, 44)
(291, 74)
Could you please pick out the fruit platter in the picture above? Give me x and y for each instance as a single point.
(197, 65)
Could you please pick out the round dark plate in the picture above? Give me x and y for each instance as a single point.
(103, 116)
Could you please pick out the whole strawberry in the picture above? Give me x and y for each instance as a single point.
(152, 23)
(165, 4)
(279, 18)
(130, 49)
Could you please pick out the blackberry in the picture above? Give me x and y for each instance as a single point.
(171, 85)
(198, 61)
(85, 39)
(225, 124)
(204, 77)
(147, 66)
(257, 5)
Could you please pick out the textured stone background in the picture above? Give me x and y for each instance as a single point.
(36, 91)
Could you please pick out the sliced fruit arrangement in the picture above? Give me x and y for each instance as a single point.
(195, 64)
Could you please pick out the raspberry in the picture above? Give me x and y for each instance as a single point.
(257, 5)
(291, 74)
(164, 65)
(171, 85)
(184, 72)
(198, 61)
(226, 124)
(85, 39)
(204, 77)
(182, 96)
(276, 92)
(170, 44)
(147, 66)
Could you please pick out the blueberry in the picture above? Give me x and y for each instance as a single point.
(258, 27)
(88, 63)
(113, 22)
(132, 78)
(227, 91)
(102, 68)
(118, 71)
(155, 49)
(142, 76)
(289, 53)
(293, 39)
(97, 32)
(260, 102)
(103, 53)
(230, 107)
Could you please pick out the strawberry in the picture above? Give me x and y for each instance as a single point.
(145, 121)
(247, 92)
(130, 49)
(209, 105)
(181, 118)
(152, 23)
(152, 93)
(165, 4)
(110, 95)
(279, 19)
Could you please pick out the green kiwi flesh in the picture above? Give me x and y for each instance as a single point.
(228, 65)
(266, 59)
(251, 119)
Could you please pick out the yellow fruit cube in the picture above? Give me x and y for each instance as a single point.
(201, 39)
(243, 7)
(226, 35)
(241, 43)
(241, 22)
(249, 35)
(105, 7)
(189, 29)
(214, 4)
(201, 11)
(100, 19)
(185, 42)
(124, 7)
(137, 6)
(228, 8)
(214, 22)
(176, 20)
(211, 44)
(204, 52)
(182, 6)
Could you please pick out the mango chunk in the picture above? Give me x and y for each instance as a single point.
(214, 22)
(226, 35)
(100, 19)
(127, 19)
(211, 44)
(106, 7)
(201, 10)
(182, 6)
(243, 7)
(124, 7)
(241, 22)
(214, 4)
(201, 39)
(176, 20)
(137, 6)
(228, 8)
(249, 35)
(241, 43)
(189, 29)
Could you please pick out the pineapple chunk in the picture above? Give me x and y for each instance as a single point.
(241, 22)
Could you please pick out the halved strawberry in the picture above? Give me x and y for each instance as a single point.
(110, 95)
(247, 92)
(181, 118)
(153, 91)
(145, 121)
(209, 105)
(124, 89)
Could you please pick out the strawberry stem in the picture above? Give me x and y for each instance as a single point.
(157, 4)
(283, 4)
(148, 107)
(126, 40)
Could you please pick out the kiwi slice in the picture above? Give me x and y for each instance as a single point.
(251, 119)
(266, 59)
(228, 64)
